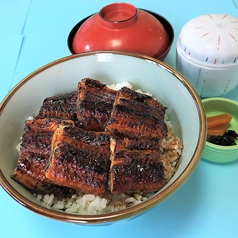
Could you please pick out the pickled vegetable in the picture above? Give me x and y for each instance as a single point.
(229, 138)
(217, 132)
(220, 119)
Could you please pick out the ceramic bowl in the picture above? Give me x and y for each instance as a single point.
(216, 153)
(62, 76)
(207, 52)
(122, 27)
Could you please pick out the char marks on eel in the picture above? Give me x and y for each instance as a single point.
(95, 139)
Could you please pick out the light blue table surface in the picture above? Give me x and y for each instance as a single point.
(33, 33)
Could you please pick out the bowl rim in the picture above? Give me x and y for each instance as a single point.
(219, 99)
(222, 148)
(137, 209)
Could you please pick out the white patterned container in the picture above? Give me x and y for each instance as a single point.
(207, 54)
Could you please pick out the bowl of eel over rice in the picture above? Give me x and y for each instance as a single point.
(99, 137)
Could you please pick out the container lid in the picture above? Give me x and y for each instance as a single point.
(210, 40)
(123, 27)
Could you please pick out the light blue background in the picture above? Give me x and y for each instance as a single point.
(33, 33)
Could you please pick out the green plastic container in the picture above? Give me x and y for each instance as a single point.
(217, 153)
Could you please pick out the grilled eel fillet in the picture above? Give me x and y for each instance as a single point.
(60, 107)
(136, 115)
(35, 150)
(80, 159)
(95, 107)
(94, 104)
(134, 170)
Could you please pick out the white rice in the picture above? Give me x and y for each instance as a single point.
(81, 203)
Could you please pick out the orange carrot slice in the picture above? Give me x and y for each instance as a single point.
(217, 130)
(218, 120)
